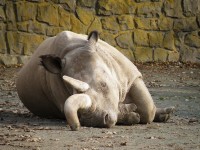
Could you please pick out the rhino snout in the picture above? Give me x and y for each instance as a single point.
(110, 119)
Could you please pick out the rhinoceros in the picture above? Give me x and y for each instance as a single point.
(86, 81)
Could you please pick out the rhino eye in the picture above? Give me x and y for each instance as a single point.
(102, 86)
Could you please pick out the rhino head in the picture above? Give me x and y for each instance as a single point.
(94, 89)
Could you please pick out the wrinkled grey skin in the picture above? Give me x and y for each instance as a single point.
(86, 81)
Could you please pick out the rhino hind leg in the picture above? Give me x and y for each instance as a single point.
(163, 114)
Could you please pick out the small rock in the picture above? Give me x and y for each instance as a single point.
(34, 139)
(123, 143)
(151, 138)
(187, 100)
(109, 132)
(15, 111)
(192, 120)
(55, 139)
(109, 145)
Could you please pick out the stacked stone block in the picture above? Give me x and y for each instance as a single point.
(144, 30)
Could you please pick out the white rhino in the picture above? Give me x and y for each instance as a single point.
(86, 81)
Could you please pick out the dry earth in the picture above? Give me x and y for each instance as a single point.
(170, 85)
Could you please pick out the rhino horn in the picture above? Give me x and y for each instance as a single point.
(71, 107)
(92, 40)
(76, 84)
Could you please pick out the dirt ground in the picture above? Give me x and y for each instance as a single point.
(170, 85)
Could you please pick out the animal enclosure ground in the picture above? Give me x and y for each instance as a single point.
(170, 85)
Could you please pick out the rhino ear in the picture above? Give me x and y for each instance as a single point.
(52, 63)
(93, 36)
(92, 40)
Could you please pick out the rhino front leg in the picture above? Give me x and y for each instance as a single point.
(140, 96)
(127, 115)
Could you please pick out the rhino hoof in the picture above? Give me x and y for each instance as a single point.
(129, 119)
(170, 110)
(164, 115)
(133, 118)
(74, 127)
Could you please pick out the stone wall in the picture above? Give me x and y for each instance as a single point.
(144, 30)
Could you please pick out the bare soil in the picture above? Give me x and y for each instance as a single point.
(170, 85)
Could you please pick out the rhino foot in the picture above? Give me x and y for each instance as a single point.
(128, 118)
(127, 115)
(163, 114)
